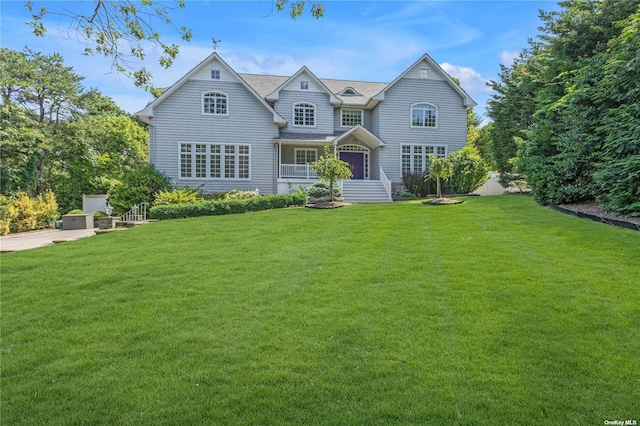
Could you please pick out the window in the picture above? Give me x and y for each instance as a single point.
(304, 85)
(306, 156)
(351, 117)
(215, 74)
(214, 103)
(424, 73)
(423, 115)
(304, 114)
(214, 161)
(349, 91)
(415, 158)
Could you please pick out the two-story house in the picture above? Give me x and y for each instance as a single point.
(218, 130)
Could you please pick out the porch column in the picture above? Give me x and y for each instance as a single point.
(279, 159)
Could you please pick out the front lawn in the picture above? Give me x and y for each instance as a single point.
(495, 311)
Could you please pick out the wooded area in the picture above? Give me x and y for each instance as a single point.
(566, 113)
(59, 136)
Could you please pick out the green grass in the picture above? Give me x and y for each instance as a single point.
(495, 311)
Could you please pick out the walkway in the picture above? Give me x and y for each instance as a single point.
(34, 239)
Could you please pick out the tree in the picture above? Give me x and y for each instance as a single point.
(331, 168)
(125, 30)
(439, 168)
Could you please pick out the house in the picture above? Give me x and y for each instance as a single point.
(218, 130)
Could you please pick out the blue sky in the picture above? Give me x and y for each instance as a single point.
(359, 40)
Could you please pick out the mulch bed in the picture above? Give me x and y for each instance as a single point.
(442, 201)
(328, 205)
(596, 212)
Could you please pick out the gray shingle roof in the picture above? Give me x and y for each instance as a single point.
(266, 84)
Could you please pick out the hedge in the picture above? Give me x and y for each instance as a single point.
(220, 207)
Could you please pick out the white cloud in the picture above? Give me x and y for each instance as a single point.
(507, 57)
(470, 80)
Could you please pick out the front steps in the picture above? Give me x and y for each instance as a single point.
(364, 191)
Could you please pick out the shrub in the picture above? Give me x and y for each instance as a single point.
(23, 213)
(236, 194)
(5, 216)
(176, 196)
(418, 184)
(75, 211)
(470, 171)
(212, 195)
(46, 208)
(137, 187)
(220, 207)
(318, 192)
(97, 215)
(408, 195)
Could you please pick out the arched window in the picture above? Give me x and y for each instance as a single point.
(215, 103)
(424, 115)
(304, 114)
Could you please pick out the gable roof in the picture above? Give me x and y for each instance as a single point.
(267, 84)
(467, 101)
(274, 96)
(147, 113)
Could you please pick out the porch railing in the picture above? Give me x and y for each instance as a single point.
(302, 171)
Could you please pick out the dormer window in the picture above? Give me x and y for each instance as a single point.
(424, 73)
(215, 74)
(214, 103)
(349, 91)
(304, 85)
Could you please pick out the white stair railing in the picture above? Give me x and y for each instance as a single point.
(386, 182)
(137, 213)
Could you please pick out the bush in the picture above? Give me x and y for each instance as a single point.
(137, 187)
(46, 210)
(470, 171)
(26, 213)
(23, 213)
(236, 194)
(220, 207)
(97, 215)
(212, 195)
(318, 192)
(176, 196)
(418, 184)
(408, 195)
(5, 216)
(76, 211)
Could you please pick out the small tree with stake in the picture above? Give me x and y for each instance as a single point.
(331, 168)
(439, 168)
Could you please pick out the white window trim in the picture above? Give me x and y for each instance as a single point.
(213, 113)
(352, 109)
(293, 115)
(296, 150)
(208, 164)
(423, 145)
(219, 73)
(305, 82)
(423, 127)
(426, 70)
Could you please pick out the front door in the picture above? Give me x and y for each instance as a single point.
(356, 163)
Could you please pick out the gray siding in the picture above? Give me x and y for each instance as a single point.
(178, 119)
(395, 120)
(324, 111)
(375, 121)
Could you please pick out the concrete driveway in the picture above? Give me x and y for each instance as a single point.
(47, 237)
